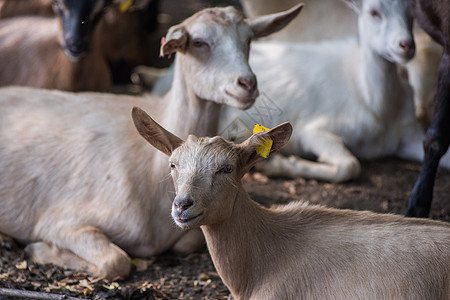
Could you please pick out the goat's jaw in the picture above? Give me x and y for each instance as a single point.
(399, 56)
(243, 102)
(74, 57)
(403, 57)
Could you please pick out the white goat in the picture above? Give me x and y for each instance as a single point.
(77, 181)
(295, 251)
(345, 100)
(321, 15)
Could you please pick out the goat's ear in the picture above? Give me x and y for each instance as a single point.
(160, 138)
(175, 40)
(356, 5)
(268, 24)
(280, 135)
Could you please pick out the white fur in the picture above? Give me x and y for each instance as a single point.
(344, 99)
(320, 16)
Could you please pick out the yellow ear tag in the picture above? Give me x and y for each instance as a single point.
(124, 5)
(264, 149)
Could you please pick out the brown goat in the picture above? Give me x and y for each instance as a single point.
(295, 251)
(37, 51)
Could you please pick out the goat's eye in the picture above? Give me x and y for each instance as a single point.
(226, 169)
(375, 13)
(173, 166)
(199, 43)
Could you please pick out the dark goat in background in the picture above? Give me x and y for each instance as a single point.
(101, 43)
(434, 17)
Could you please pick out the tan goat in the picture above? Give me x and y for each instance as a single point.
(295, 251)
(11, 8)
(76, 179)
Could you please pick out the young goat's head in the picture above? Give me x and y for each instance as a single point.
(217, 43)
(386, 26)
(206, 171)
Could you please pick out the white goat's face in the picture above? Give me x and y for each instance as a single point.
(215, 45)
(219, 42)
(387, 26)
(204, 171)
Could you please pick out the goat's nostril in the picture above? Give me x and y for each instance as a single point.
(406, 45)
(247, 82)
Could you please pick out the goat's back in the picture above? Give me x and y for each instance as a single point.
(342, 254)
(70, 158)
(31, 55)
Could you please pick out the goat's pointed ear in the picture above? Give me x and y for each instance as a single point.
(268, 24)
(280, 135)
(175, 40)
(356, 5)
(153, 133)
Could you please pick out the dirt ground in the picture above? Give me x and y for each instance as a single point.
(383, 187)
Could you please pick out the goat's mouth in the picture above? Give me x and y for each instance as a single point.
(243, 102)
(402, 56)
(186, 221)
(74, 56)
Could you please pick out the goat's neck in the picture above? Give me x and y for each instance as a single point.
(185, 113)
(239, 245)
(381, 85)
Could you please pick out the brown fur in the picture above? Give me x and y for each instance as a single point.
(32, 55)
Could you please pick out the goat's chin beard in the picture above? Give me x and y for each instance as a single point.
(398, 58)
(239, 103)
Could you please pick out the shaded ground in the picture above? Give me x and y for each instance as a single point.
(383, 187)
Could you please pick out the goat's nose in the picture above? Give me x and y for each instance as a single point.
(248, 82)
(182, 203)
(77, 49)
(406, 45)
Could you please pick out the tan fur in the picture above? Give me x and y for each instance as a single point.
(300, 251)
(11, 8)
(79, 184)
(31, 55)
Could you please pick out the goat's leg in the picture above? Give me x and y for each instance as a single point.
(83, 248)
(436, 143)
(335, 163)
(45, 253)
